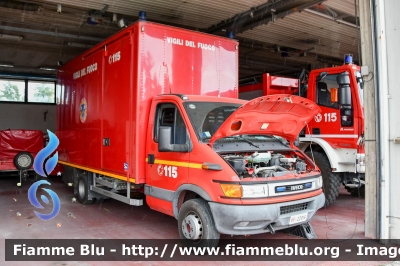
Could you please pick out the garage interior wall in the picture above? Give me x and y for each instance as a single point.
(28, 116)
(370, 110)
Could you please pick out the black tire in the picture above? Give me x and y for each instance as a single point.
(83, 190)
(206, 235)
(331, 180)
(23, 160)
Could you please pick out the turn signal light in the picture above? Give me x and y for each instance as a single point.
(232, 190)
(211, 166)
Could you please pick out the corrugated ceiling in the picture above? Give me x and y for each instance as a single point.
(317, 36)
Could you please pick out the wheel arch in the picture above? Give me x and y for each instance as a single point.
(186, 192)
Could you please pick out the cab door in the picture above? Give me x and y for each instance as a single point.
(335, 123)
(166, 170)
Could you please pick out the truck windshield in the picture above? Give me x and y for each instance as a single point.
(207, 117)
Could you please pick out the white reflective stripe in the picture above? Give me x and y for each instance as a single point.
(333, 136)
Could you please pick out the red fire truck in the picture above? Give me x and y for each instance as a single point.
(334, 138)
(154, 110)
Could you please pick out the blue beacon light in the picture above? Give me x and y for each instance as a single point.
(348, 59)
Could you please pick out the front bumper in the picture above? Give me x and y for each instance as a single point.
(254, 219)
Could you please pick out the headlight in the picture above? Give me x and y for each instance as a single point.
(244, 191)
(255, 191)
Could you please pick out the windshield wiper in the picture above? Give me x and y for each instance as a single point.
(248, 141)
(283, 141)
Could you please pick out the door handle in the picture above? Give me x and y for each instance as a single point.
(150, 159)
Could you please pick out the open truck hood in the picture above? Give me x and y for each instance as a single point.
(282, 115)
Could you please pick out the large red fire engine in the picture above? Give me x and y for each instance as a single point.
(334, 138)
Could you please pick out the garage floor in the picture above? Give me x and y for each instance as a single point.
(111, 219)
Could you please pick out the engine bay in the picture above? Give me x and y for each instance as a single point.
(266, 164)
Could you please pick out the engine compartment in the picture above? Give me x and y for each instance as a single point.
(266, 164)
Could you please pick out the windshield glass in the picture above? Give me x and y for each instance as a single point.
(360, 90)
(207, 117)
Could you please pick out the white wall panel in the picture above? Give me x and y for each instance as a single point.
(27, 116)
(392, 25)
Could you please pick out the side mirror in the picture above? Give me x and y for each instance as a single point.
(344, 89)
(334, 95)
(164, 141)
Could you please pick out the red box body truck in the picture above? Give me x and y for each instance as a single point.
(154, 109)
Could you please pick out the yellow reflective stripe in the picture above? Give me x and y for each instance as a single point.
(132, 180)
(195, 165)
(175, 163)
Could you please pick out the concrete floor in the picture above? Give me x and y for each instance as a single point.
(344, 219)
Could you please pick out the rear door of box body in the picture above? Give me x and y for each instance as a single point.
(117, 105)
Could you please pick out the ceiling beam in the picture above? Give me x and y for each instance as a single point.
(51, 33)
(252, 13)
(277, 15)
(337, 19)
(260, 15)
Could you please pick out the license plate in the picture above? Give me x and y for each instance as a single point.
(298, 218)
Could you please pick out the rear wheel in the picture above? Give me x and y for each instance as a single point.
(196, 224)
(83, 190)
(23, 160)
(331, 180)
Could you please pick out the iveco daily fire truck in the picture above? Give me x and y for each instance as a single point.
(154, 109)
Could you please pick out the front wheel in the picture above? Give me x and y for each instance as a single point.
(330, 179)
(196, 224)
